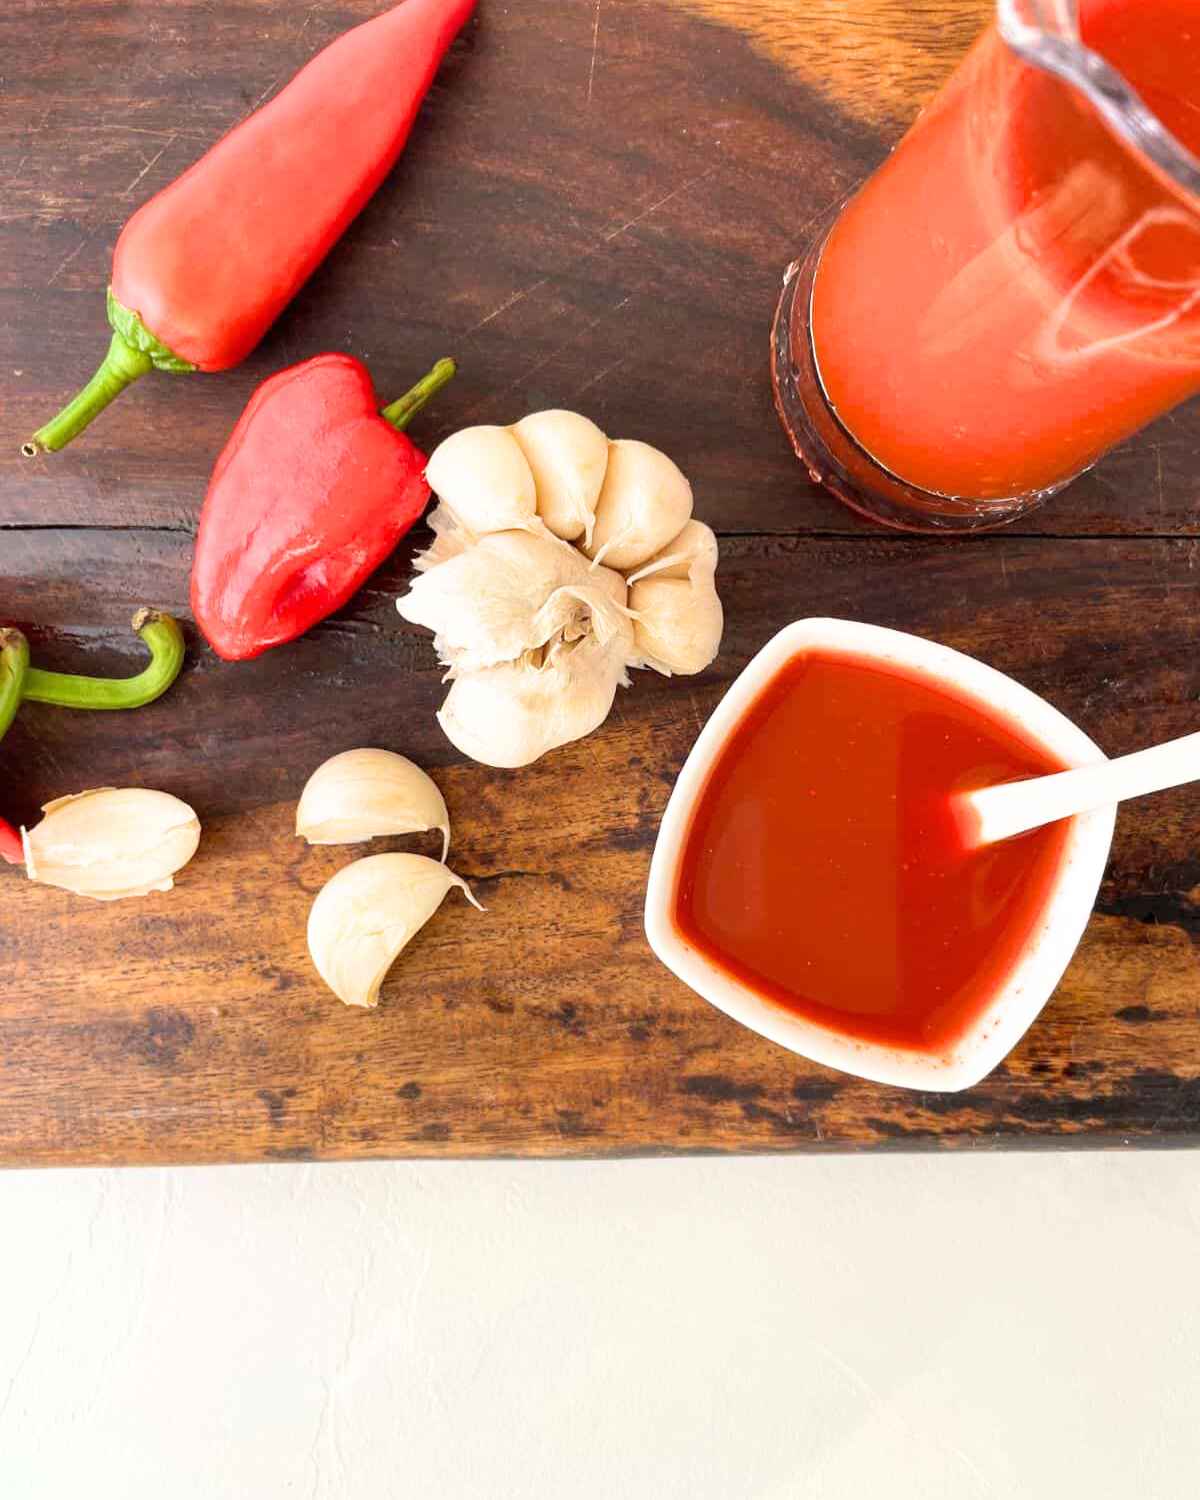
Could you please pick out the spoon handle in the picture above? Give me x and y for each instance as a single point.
(999, 812)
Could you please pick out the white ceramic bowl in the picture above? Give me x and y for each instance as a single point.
(998, 1029)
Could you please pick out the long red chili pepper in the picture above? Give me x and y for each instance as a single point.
(19, 682)
(203, 270)
(313, 490)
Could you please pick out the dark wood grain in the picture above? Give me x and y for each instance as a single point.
(586, 216)
(594, 212)
(192, 1027)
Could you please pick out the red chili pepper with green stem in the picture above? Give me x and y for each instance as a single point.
(21, 683)
(311, 493)
(203, 270)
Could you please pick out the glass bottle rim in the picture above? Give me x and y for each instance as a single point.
(1045, 33)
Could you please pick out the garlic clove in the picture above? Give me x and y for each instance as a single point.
(512, 714)
(367, 913)
(568, 456)
(367, 794)
(482, 477)
(692, 554)
(110, 843)
(678, 624)
(483, 606)
(645, 501)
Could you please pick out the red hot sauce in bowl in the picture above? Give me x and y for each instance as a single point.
(822, 869)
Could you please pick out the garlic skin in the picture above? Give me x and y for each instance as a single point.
(480, 474)
(483, 605)
(111, 843)
(367, 913)
(367, 794)
(646, 500)
(568, 457)
(612, 582)
(678, 624)
(581, 609)
(449, 540)
(512, 714)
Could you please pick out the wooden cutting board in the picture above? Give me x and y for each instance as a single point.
(594, 212)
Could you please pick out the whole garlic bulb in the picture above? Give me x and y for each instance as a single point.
(366, 915)
(112, 842)
(537, 634)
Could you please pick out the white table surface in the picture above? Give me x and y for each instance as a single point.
(881, 1328)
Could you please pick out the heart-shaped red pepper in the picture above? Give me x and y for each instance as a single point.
(311, 493)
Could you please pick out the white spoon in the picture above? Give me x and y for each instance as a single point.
(998, 812)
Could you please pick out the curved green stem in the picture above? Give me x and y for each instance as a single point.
(400, 413)
(14, 666)
(165, 641)
(123, 364)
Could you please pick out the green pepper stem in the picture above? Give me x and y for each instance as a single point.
(164, 639)
(400, 413)
(122, 365)
(14, 666)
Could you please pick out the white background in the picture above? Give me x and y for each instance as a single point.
(833, 1328)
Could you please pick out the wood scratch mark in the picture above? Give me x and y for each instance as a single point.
(131, 129)
(602, 375)
(1159, 474)
(153, 160)
(504, 306)
(559, 349)
(269, 88)
(799, 234)
(78, 250)
(595, 48)
(654, 207)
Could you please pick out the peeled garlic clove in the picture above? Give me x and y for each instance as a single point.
(568, 456)
(483, 605)
(367, 794)
(512, 714)
(481, 475)
(692, 554)
(112, 842)
(645, 502)
(367, 913)
(677, 624)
